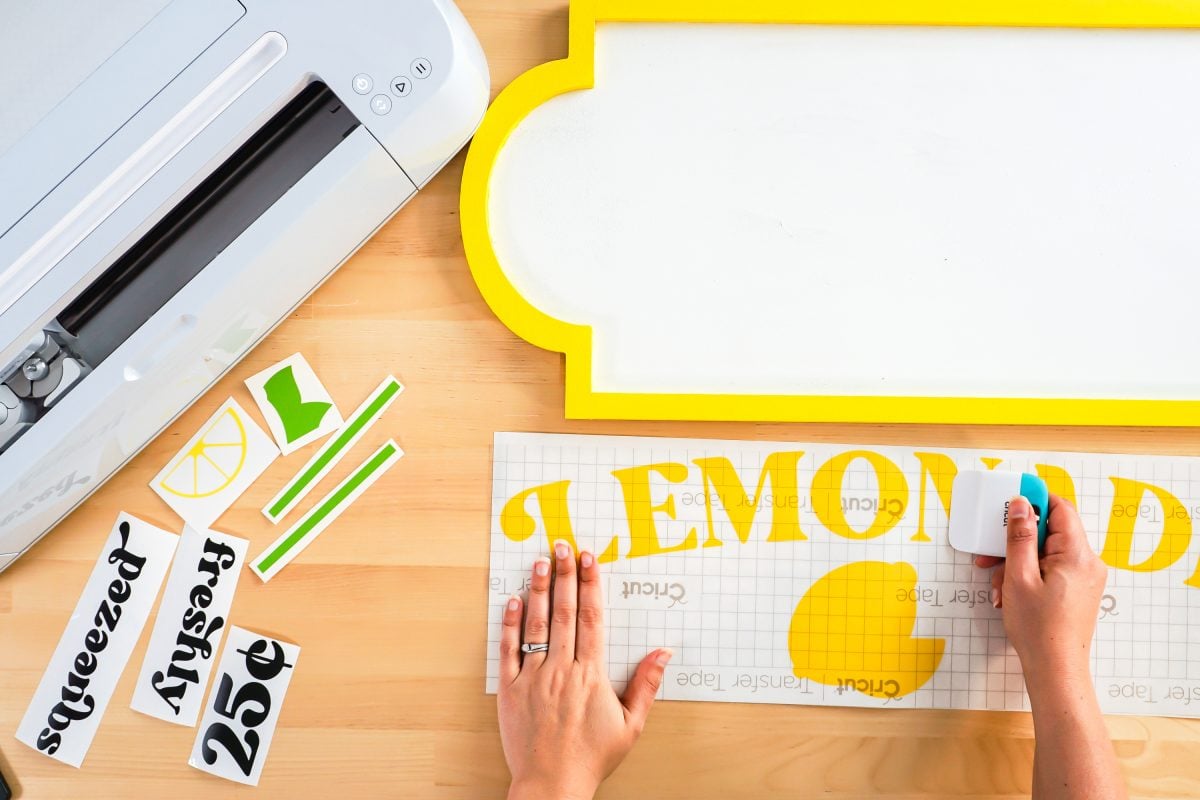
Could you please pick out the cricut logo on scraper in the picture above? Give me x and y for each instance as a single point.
(77, 702)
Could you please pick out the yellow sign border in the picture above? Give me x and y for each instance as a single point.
(577, 72)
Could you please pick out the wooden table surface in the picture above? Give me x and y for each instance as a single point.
(389, 605)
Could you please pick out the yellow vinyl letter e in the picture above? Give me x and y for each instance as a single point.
(643, 534)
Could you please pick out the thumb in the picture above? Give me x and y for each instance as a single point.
(1022, 546)
(643, 686)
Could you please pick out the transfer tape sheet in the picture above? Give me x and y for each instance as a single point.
(821, 574)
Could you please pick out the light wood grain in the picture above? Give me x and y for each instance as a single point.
(389, 605)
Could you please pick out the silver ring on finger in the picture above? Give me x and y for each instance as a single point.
(528, 648)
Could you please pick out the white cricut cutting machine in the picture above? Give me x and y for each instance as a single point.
(202, 178)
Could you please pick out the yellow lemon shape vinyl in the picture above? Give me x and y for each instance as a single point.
(212, 463)
(853, 630)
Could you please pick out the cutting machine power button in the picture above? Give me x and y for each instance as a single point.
(362, 83)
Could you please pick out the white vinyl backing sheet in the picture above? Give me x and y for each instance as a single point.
(69, 703)
(243, 707)
(214, 468)
(190, 623)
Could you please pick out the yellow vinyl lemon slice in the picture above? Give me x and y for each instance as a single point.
(211, 464)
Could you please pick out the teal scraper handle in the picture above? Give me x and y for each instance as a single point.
(1034, 490)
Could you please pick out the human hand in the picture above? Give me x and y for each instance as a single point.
(563, 728)
(1050, 603)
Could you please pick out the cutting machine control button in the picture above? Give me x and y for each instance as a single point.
(401, 86)
(381, 104)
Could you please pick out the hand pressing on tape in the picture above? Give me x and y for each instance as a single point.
(1050, 604)
(563, 727)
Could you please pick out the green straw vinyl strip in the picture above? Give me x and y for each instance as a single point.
(334, 448)
(318, 514)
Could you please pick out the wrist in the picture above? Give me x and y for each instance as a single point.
(1056, 661)
(549, 788)
(1057, 675)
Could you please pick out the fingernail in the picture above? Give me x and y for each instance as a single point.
(561, 550)
(585, 559)
(663, 657)
(1018, 508)
(542, 566)
(514, 603)
(995, 598)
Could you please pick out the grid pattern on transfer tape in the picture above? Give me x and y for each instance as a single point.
(727, 609)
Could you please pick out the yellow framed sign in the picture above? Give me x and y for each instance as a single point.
(924, 212)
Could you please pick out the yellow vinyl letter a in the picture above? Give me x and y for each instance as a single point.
(827, 494)
(780, 468)
(1118, 543)
(943, 470)
(518, 524)
(643, 535)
